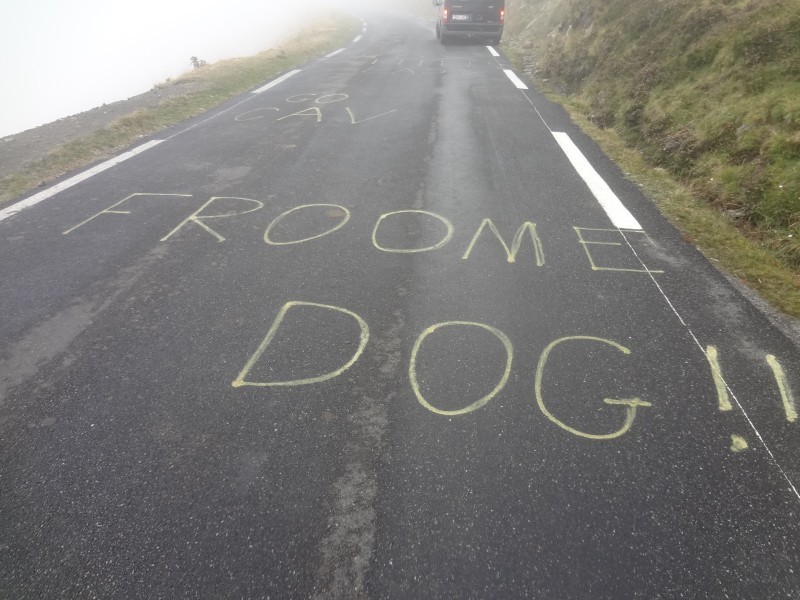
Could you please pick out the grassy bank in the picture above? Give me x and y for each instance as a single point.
(185, 97)
(700, 99)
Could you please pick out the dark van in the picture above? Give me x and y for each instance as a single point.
(482, 19)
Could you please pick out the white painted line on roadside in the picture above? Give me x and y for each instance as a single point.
(616, 211)
(515, 80)
(335, 52)
(60, 187)
(357, 39)
(704, 351)
(683, 322)
(277, 81)
(494, 52)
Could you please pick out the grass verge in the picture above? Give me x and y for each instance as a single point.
(746, 252)
(698, 100)
(199, 91)
(743, 256)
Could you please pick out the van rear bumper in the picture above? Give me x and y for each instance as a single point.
(492, 30)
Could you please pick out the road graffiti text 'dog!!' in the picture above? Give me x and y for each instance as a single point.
(630, 405)
(569, 344)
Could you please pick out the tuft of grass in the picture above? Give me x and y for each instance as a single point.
(703, 93)
(201, 90)
(746, 257)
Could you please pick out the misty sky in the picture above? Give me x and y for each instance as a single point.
(61, 57)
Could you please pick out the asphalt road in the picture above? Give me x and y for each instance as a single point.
(370, 333)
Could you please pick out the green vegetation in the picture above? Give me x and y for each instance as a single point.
(208, 85)
(706, 96)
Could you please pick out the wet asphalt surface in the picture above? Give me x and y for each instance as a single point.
(284, 354)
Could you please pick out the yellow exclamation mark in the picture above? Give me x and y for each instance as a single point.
(783, 386)
(738, 443)
(722, 389)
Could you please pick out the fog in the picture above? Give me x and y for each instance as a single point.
(59, 57)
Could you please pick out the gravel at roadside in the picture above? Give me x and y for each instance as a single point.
(21, 150)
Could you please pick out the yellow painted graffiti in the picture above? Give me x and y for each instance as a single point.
(199, 220)
(412, 370)
(722, 388)
(240, 380)
(595, 267)
(110, 210)
(630, 405)
(254, 115)
(511, 253)
(279, 218)
(324, 99)
(783, 386)
(306, 112)
(354, 121)
(448, 236)
(738, 443)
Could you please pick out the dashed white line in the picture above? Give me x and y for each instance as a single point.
(60, 187)
(515, 80)
(493, 52)
(52, 191)
(563, 137)
(277, 81)
(357, 39)
(616, 211)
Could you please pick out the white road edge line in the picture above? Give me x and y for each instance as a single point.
(277, 81)
(60, 187)
(691, 333)
(727, 387)
(357, 39)
(515, 80)
(616, 211)
(494, 52)
(335, 52)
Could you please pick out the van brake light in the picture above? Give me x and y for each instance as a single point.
(445, 15)
(502, 16)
